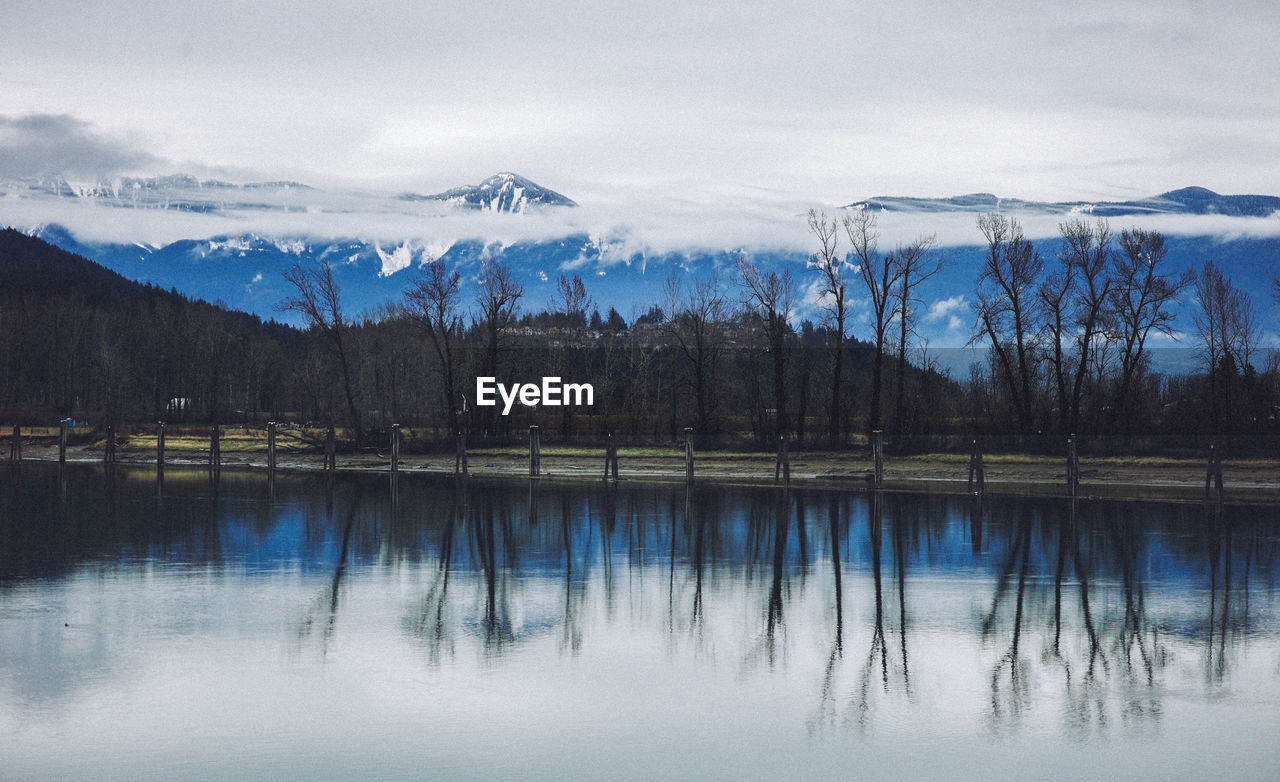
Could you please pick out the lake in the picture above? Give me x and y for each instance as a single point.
(308, 628)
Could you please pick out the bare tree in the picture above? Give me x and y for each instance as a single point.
(1056, 301)
(915, 265)
(1091, 254)
(318, 301)
(571, 301)
(1142, 299)
(1076, 303)
(767, 296)
(1227, 329)
(833, 289)
(434, 303)
(696, 324)
(498, 300)
(1007, 307)
(1243, 336)
(881, 276)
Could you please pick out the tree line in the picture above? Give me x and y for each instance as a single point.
(1065, 343)
(1069, 339)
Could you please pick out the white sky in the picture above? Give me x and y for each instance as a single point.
(618, 104)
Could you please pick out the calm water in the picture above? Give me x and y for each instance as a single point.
(307, 631)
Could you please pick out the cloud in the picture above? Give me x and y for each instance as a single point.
(1089, 103)
(945, 308)
(37, 145)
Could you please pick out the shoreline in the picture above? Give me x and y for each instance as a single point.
(1252, 481)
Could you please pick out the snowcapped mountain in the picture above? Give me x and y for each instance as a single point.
(179, 192)
(502, 192)
(1186, 201)
(231, 242)
(245, 271)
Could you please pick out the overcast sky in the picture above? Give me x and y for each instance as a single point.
(617, 102)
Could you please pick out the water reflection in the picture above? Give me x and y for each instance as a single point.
(1081, 619)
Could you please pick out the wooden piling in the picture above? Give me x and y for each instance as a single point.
(877, 456)
(1213, 473)
(62, 441)
(395, 448)
(109, 451)
(215, 448)
(160, 446)
(977, 472)
(610, 457)
(688, 454)
(271, 445)
(330, 451)
(535, 452)
(783, 464)
(15, 445)
(460, 454)
(1073, 467)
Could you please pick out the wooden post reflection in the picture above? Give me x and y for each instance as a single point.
(975, 524)
(833, 522)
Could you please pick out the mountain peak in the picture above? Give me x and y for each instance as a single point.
(1189, 193)
(505, 191)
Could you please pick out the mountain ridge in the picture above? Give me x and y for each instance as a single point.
(1193, 200)
(505, 192)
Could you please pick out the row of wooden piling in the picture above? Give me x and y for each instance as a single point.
(976, 482)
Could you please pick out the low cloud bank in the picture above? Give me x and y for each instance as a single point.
(651, 225)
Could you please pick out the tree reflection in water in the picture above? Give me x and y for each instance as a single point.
(827, 706)
(891, 672)
(571, 639)
(1086, 612)
(429, 622)
(327, 603)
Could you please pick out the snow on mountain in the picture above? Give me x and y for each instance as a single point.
(502, 192)
(401, 257)
(231, 242)
(1186, 201)
(179, 192)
